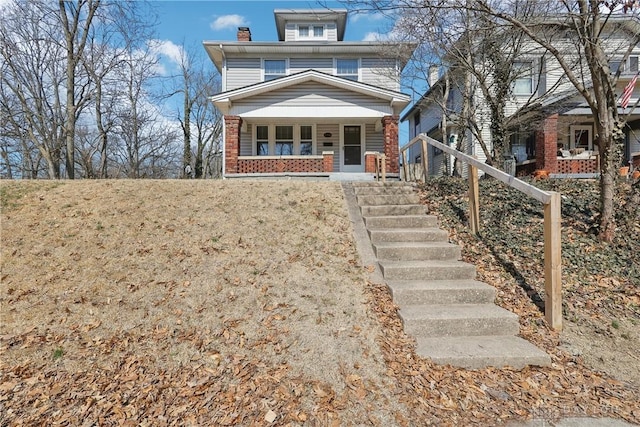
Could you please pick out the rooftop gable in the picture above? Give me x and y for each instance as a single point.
(282, 16)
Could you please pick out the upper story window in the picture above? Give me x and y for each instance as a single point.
(311, 32)
(629, 66)
(347, 68)
(523, 81)
(274, 68)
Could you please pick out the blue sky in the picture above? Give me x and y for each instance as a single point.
(192, 22)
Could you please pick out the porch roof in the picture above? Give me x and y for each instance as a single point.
(224, 101)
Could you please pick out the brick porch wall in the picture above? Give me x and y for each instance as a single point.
(577, 165)
(391, 148)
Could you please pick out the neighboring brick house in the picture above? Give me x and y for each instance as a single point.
(557, 133)
(310, 103)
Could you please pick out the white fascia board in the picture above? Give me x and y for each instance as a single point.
(325, 112)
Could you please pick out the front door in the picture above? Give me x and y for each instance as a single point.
(352, 158)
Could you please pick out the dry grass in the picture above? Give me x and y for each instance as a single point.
(231, 303)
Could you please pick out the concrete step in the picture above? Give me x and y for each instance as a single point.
(408, 235)
(409, 292)
(380, 184)
(370, 211)
(444, 320)
(414, 251)
(476, 352)
(388, 199)
(427, 270)
(369, 190)
(401, 221)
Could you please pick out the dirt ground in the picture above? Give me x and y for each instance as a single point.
(232, 303)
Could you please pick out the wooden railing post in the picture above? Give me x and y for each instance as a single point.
(474, 200)
(425, 163)
(405, 166)
(383, 167)
(553, 262)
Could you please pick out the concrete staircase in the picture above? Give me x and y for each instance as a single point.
(452, 316)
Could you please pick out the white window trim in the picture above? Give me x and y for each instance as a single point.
(286, 66)
(335, 67)
(572, 139)
(311, 36)
(272, 137)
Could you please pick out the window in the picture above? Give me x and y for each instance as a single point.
(629, 66)
(523, 81)
(523, 145)
(581, 137)
(347, 68)
(274, 68)
(262, 140)
(284, 140)
(306, 140)
(311, 32)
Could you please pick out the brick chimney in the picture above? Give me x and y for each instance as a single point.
(244, 34)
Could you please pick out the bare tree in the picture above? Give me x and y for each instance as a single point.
(32, 76)
(76, 18)
(198, 118)
(575, 34)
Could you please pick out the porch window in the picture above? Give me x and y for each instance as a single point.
(347, 69)
(274, 68)
(523, 82)
(262, 140)
(523, 145)
(581, 137)
(284, 140)
(306, 140)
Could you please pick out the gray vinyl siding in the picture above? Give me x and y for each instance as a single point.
(379, 72)
(246, 141)
(312, 94)
(334, 139)
(290, 32)
(374, 141)
(243, 72)
(324, 65)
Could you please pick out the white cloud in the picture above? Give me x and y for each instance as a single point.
(168, 49)
(371, 17)
(227, 22)
(375, 37)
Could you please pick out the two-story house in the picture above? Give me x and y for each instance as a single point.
(310, 103)
(553, 127)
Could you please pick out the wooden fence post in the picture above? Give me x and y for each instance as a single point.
(425, 164)
(474, 200)
(553, 262)
(405, 166)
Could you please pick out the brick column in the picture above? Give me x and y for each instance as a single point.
(327, 161)
(547, 145)
(370, 162)
(391, 148)
(231, 143)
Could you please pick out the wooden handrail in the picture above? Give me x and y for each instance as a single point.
(552, 218)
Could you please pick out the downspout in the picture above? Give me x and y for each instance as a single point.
(224, 124)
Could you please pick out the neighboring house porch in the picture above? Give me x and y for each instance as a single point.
(309, 122)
